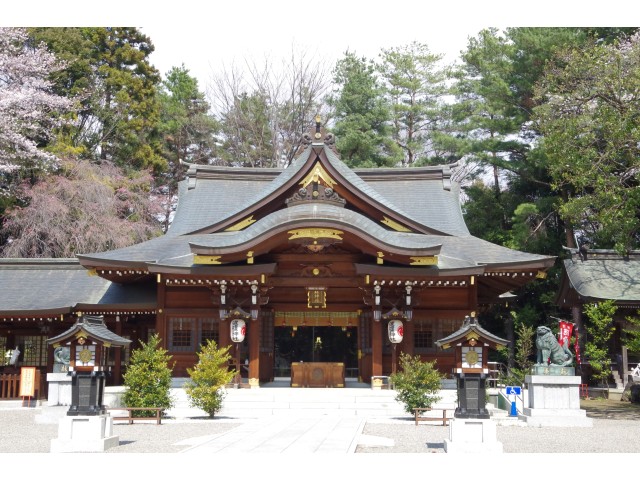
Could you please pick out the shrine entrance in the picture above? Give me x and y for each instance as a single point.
(315, 344)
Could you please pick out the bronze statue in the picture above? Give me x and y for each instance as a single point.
(550, 352)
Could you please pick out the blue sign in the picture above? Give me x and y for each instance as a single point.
(514, 390)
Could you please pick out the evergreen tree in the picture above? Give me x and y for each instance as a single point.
(148, 378)
(208, 377)
(600, 329)
(417, 383)
(108, 70)
(588, 115)
(415, 86)
(188, 132)
(363, 135)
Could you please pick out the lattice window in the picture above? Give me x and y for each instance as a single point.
(209, 331)
(34, 350)
(124, 355)
(4, 359)
(181, 335)
(423, 335)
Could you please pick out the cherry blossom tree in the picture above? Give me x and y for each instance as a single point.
(29, 110)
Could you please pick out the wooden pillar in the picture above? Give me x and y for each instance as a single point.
(117, 367)
(161, 319)
(407, 343)
(376, 348)
(255, 327)
(224, 334)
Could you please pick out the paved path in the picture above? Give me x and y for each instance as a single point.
(286, 434)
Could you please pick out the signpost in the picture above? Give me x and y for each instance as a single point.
(515, 391)
(28, 383)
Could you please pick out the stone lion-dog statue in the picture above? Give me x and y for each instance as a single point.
(550, 352)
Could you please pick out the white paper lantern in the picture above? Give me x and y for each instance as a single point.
(396, 331)
(238, 330)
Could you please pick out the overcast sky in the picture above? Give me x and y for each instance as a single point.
(206, 34)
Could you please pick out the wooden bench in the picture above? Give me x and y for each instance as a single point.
(131, 418)
(421, 418)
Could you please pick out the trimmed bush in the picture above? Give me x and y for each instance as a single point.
(417, 383)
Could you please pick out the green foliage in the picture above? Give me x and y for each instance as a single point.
(148, 378)
(631, 337)
(415, 86)
(524, 350)
(208, 377)
(362, 116)
(417, 383)
(600, 329)
(588, 114)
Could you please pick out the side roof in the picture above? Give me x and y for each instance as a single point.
(58, 286)
(601, 275)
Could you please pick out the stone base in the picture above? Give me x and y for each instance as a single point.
(59, 389)
(554, 401)
(549, 417)
(468, 435)
(83, 434)
(254, 383)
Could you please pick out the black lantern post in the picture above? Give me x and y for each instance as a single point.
(472, 345)
(88, 342)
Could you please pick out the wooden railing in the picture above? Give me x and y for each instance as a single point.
(9, 386)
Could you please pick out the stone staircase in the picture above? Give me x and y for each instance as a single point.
(277, 398)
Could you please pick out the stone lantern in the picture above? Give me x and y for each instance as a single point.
(88, 341)
(473, 430)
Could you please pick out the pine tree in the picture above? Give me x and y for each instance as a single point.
(148, 378)
(208, 377)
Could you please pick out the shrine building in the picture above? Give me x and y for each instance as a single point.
(317, 258)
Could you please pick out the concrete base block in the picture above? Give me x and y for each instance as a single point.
(554, 401)
(469, 435)
(549, 417)
(84, 434)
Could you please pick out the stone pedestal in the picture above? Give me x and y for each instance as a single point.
(554, 401)
(467, 435)
(59, 389)
(78, 434)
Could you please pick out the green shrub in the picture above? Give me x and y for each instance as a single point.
(148, 378)
(207, 378)
(417, 383)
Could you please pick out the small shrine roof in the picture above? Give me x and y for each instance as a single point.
(470, 325)
(94, 327)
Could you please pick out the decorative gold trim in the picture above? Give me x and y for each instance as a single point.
(315, 233)
(380, 260)
(92, 272)
(430, 260)
(472, 336)
(81, 335)
(263, 278)
(159, 278)
(473, 280)
(367, 279)
(541, 274)
(206, 259)
(445, 346)
(250, 257)
(316, 174)
(394, 225)
(241, 225)
(107, 344)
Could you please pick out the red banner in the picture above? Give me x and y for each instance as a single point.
(564, 333)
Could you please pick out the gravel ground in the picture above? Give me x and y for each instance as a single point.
(606, 436)
(19, 433)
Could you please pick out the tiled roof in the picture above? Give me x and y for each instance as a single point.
(470, 324)
(58, 285)
(95, 327)
(605, 275)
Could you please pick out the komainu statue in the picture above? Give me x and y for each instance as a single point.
(550, 352)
